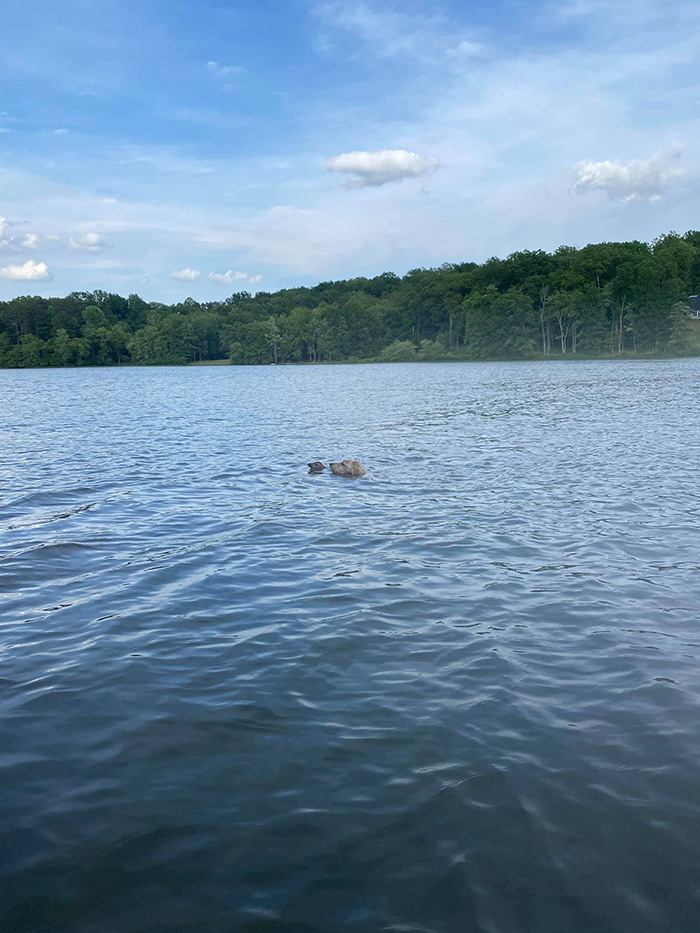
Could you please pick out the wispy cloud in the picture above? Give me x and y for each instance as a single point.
(465, 49)
(225, 75)
(389, 33)
(94, 265)
(223, 71)
(372, 169)
(30, 270)
(164, 158)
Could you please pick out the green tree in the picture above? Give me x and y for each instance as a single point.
(61, 350)
(679, 336)
(273, 335)
(5, 347)
(500, 325)
(431, 350)
(400, 351)
(33, 351)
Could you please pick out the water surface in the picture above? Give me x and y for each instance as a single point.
(459, 694)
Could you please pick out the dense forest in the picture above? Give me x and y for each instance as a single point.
(606, 298)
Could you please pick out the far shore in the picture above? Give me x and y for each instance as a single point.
(450, 359)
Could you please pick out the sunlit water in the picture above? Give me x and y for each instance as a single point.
(460, 694)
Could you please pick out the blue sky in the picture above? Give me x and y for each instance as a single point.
(172, 148)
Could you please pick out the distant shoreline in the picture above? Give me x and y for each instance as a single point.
(569, 358)
(372, 362)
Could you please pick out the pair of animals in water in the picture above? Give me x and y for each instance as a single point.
(346, 468)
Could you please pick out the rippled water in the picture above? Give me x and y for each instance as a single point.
(460, 694)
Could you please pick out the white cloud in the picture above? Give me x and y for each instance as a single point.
(636, 180)
(5, 129)
(254, 279)
(61, 131)
(28, 241)
(94, 242)
(30, 270)
(186, 275)
(378, 168)
(226, 278)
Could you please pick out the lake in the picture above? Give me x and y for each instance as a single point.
(459, 694)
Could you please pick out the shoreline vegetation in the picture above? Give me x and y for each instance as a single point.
(605, 300)
(692, 350)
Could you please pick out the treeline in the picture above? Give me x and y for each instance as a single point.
(607, 298)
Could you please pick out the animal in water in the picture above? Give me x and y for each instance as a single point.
(348, 468)
(316, 467)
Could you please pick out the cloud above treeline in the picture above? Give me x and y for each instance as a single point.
(218, 278)
(372, 169)
(226, 278)
(636, 180)
(90, 241)
(30, 270)
(28, 241)
(17, 243)
(93, 242)
(186, 275)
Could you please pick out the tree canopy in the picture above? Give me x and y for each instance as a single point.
(605, 298)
